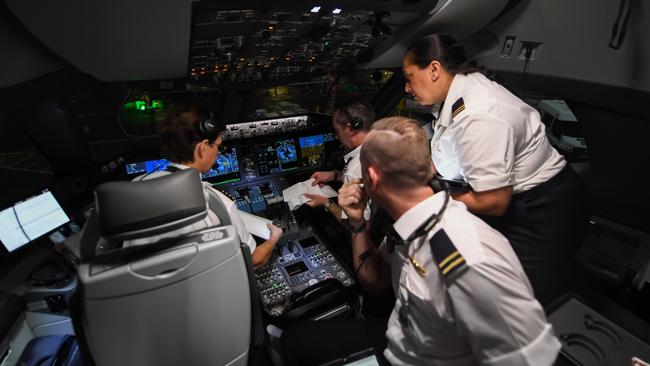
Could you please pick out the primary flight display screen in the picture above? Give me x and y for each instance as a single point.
(30, 219)
(312, 149)
(144, 167)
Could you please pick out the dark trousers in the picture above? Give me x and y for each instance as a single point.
(546, 226)
(318, 342)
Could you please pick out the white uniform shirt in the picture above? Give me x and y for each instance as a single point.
(210, 220)
(497, 140)
(486, 315)
(352, 171)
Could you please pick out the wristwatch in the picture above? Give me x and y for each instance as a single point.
(327, 205)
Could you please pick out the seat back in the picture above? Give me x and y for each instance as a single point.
(181, 301)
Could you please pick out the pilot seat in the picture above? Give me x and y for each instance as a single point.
(184, 300)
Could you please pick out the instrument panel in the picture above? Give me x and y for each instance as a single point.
(259, 150)
(300, 260)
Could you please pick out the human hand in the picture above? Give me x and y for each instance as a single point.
(315, 200)
(353, 200)
(322, 177)
(275, 233)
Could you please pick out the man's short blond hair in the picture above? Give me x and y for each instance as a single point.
(399, 148)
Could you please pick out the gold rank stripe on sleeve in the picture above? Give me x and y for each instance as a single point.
(452, 265)
(455, 113)
(451, 257)
(450, 262)
(457, 107)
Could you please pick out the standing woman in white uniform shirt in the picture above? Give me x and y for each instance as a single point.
(496, 143)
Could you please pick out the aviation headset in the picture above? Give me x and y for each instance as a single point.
(356, 123)
(208, 129)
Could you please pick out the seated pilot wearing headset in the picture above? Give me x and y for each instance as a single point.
(351, 122)
(189, 141)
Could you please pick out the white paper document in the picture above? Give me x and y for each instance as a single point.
(256, 225)
(294, 196)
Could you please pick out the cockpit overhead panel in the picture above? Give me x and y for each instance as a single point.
(279, 41)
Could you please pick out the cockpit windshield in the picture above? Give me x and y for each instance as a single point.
(141, 110)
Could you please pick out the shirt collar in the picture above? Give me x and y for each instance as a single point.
(352, 154)
(435, 111)
(416, 215)
(455, 91)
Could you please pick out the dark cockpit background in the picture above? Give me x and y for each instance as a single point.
(83, 86)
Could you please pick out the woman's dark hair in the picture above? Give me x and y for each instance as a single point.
(444, 49)
(179, 133)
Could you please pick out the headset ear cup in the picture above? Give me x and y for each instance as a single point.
(201, 129)
(438, 185)
(356, 123)
(207, 129)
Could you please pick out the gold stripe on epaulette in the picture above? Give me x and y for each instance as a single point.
(452, 265)
(448, 259)
(458, 110)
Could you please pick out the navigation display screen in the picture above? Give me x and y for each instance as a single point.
(287, 154)
(226, 167)
(29, 220)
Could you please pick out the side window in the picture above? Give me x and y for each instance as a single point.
(21, 163)
(409, 108)
(556, 128)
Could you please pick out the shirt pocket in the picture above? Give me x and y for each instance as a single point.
(425, 326)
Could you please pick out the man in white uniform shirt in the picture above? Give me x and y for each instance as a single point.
(462, 295)
(351, 122)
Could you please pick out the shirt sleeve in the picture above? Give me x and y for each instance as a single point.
(354, 172)
(485, 147)
(244, 235)
(500, 319)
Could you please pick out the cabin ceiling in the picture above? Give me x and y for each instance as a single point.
(126, 40)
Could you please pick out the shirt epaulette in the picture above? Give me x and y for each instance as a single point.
(457, 107)
(449, 260)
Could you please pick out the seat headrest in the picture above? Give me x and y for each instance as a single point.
(131, 210)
